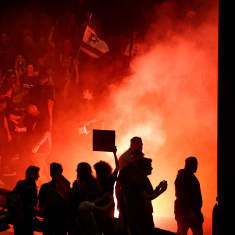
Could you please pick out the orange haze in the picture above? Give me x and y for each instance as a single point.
(170, 100)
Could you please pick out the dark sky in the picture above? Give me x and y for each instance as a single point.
(114, 15)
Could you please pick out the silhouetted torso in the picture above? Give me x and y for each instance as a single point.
(55, 208)
(135, 210)
(188, 203)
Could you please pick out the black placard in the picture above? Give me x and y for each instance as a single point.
(103, 140)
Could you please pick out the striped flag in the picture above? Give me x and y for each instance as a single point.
(92, 45)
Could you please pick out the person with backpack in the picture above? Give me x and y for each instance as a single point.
(22, 202)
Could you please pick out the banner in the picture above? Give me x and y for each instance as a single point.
(92, 45)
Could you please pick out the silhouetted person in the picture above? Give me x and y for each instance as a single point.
(188, 201)
(27, 201)
(54, 202)
(29, 79)
(42, 98)
(136, 196)
(126, 160)
(85, 191)
(39, 115)
(106, 178)
(127, 157)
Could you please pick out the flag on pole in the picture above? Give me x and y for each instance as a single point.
(92, 45)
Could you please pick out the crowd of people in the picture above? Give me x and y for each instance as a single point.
(38, 62)
(42, 75)
(87, 207)
(39, 68)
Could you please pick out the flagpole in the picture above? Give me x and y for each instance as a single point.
(88, 23)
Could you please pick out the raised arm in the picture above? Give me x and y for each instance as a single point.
(116, 159)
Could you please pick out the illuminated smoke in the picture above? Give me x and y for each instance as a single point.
(169, 100)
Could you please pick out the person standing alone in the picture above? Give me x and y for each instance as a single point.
(188, 201)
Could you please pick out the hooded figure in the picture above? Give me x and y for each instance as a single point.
(188, 201)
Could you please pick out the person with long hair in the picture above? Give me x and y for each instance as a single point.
(25, 193)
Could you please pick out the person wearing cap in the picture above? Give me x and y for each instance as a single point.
(128, 157)
(188, 201)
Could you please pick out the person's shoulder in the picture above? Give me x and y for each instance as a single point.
(184, 177)
(125, 154)
(125, 173)
(124, 157)
(75, 184)
(45, 186)
(20, 183)
(181, 172)
(66, 181)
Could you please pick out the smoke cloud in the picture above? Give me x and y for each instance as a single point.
(169, 100)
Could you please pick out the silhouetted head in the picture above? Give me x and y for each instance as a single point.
(144, 165)
(56, 170)
(32, 173)
(103, 169)
(84, 171)
(191, 164)
(136, 143)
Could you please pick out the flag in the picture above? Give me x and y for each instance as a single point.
(92, 45)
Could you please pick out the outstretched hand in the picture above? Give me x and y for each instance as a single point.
(114, 150)
(162, 186)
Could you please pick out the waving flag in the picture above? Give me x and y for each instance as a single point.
(92, 45)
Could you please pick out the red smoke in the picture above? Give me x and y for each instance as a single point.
(170, 101)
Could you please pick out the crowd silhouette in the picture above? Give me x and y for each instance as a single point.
(41, 73)
(87, 206)
(44, 74)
